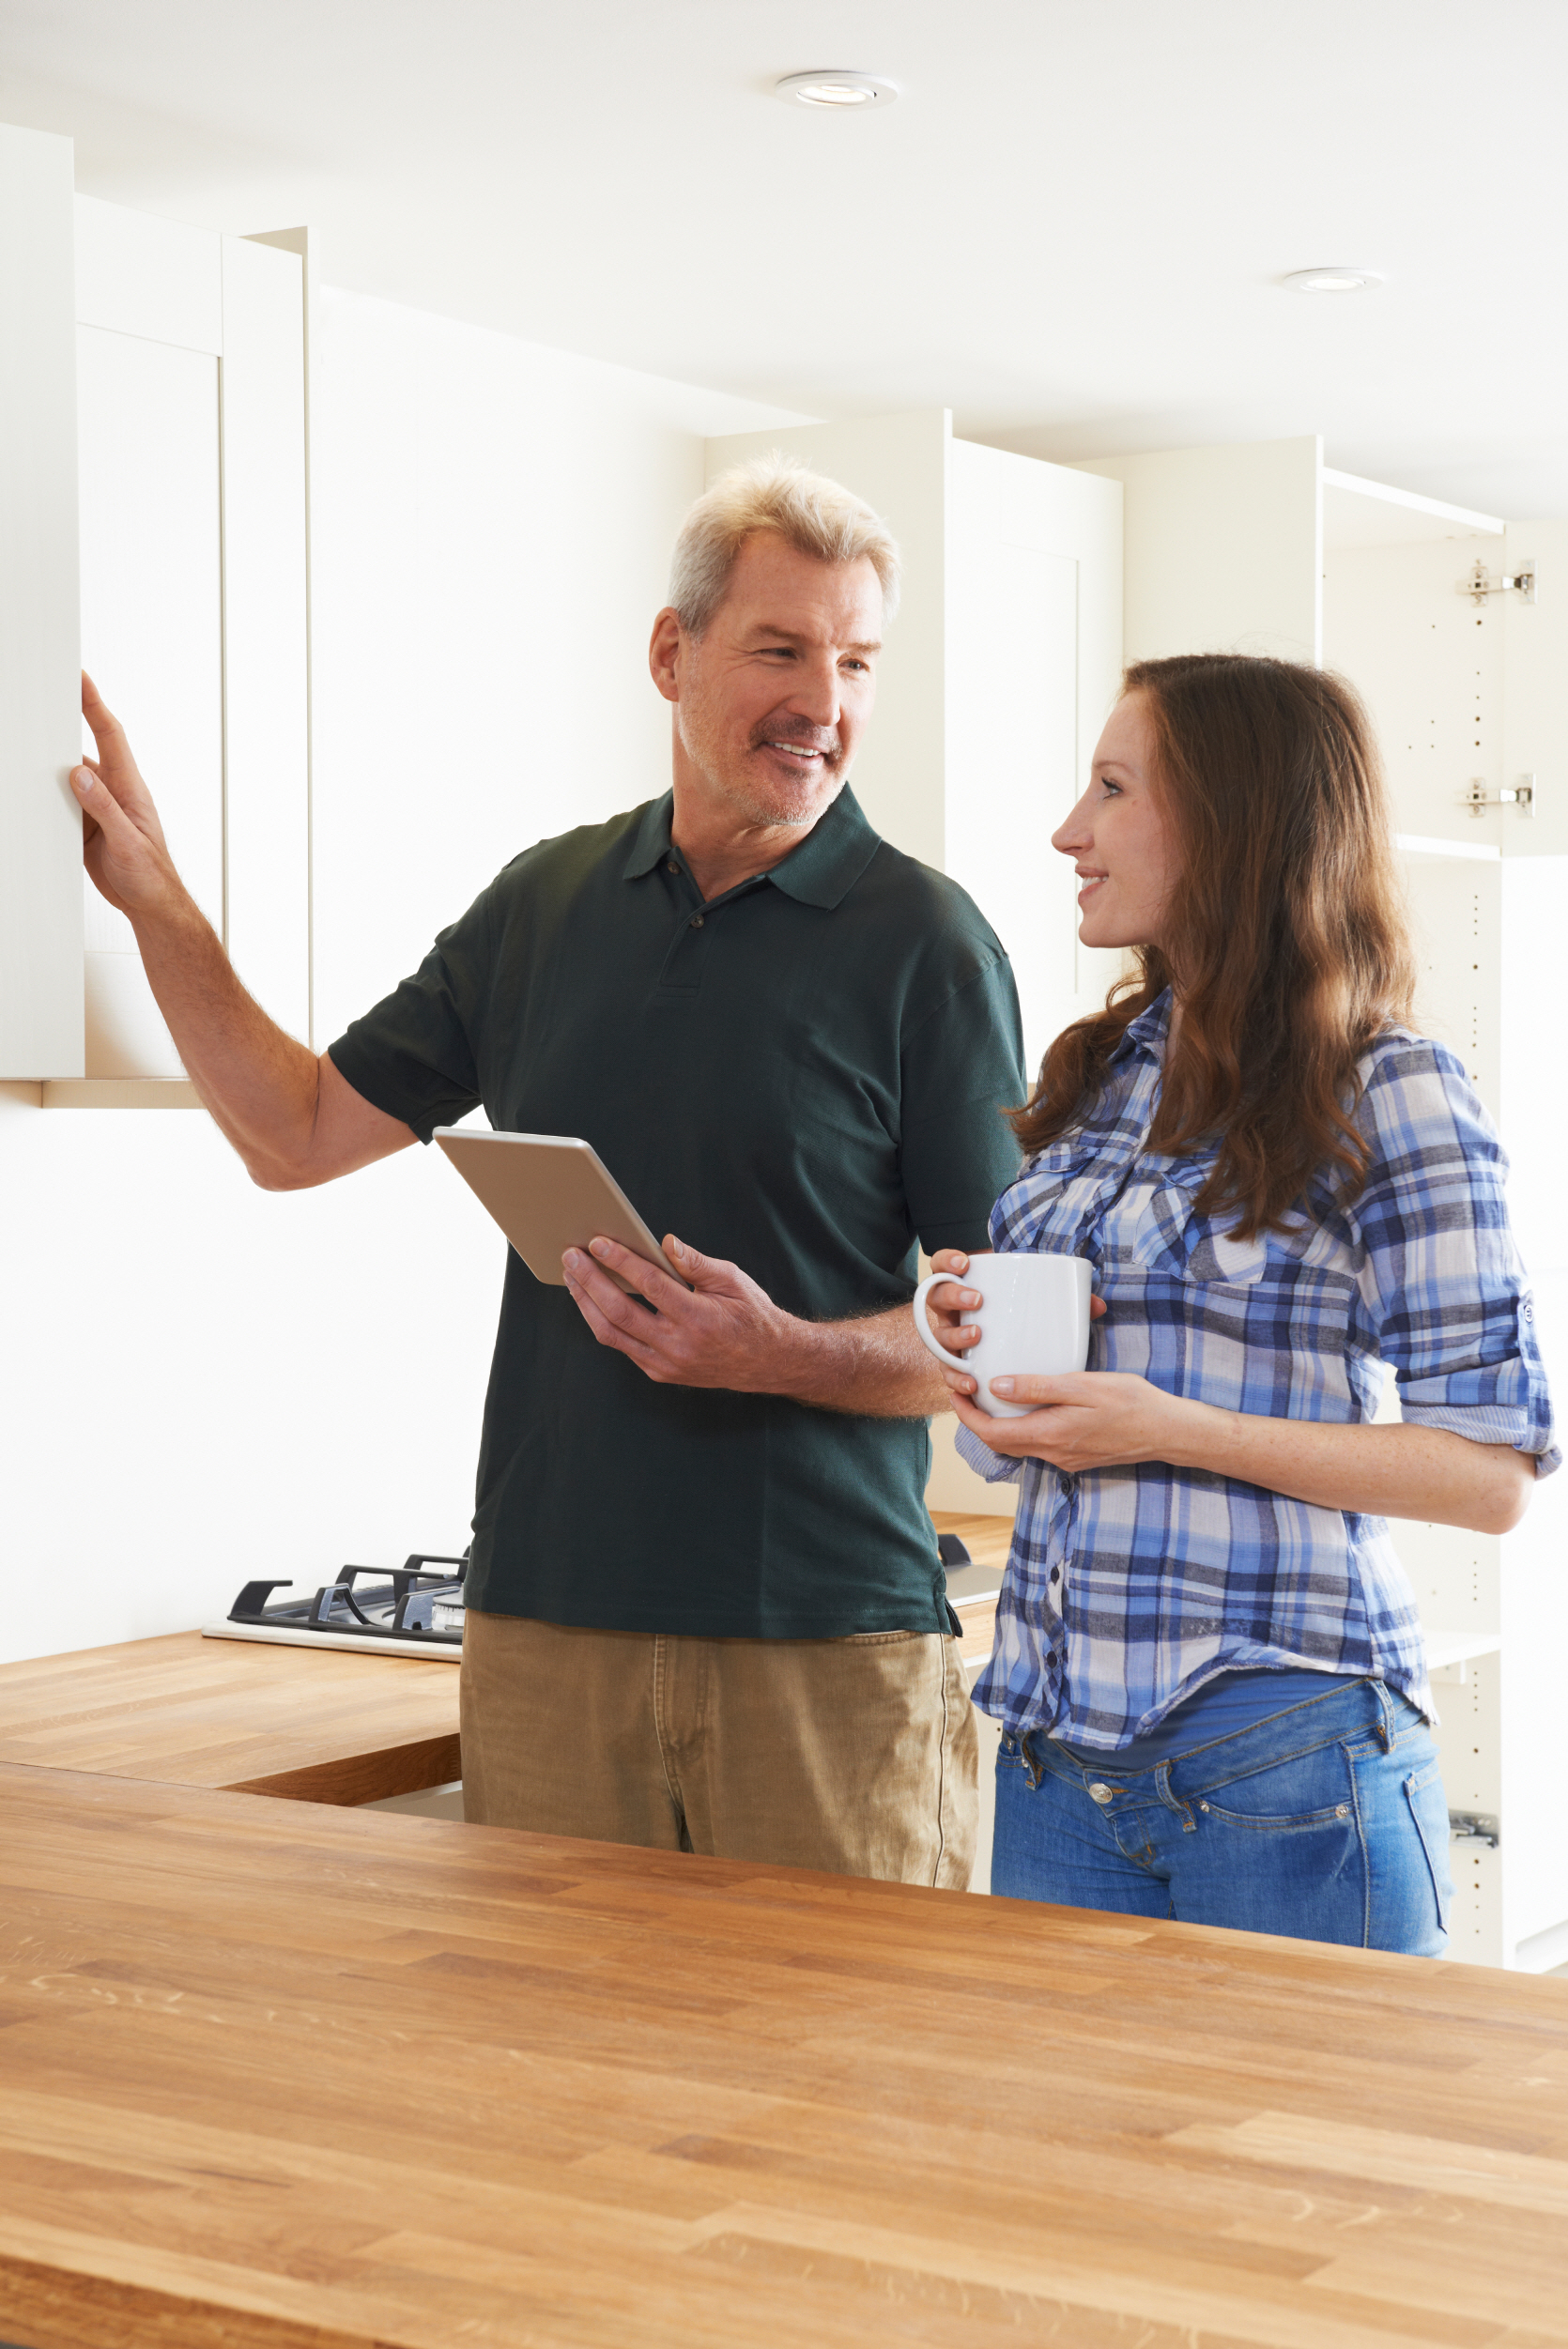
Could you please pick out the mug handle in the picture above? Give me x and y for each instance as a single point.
(922, 1327)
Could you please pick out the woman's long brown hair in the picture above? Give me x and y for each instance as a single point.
(1285, 934)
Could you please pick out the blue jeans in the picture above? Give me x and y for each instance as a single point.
(1328, 1821)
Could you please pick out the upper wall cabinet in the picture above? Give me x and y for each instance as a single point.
(996, 678)
(179, 497)
(40, 829)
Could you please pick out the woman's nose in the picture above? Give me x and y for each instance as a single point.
(1075, 834)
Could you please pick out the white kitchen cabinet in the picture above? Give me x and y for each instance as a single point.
(1264, 549)
(172, 483)
(41, 828)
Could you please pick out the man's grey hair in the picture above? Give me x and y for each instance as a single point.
(773, 493)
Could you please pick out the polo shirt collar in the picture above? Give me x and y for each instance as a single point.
(822, 871)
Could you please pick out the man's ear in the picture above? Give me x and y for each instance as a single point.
(664, 654)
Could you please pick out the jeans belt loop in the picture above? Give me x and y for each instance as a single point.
(1385, 1715)
(1162, 1787)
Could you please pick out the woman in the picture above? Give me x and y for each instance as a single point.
(1208, 1664)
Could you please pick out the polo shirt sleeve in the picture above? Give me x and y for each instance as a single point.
(962, 1070)
(1441, 1278)
(415, 1055)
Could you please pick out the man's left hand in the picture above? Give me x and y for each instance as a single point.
(723, 1332)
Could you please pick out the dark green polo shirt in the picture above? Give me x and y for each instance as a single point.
(803, 1075)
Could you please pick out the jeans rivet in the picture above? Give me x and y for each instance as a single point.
(1342, 1810)
(1203, 1806)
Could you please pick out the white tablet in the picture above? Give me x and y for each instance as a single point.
(549, 1192)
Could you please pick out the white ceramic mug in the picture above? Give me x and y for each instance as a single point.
(1034, 1322)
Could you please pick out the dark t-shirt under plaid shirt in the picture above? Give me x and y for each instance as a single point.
(805, 1076)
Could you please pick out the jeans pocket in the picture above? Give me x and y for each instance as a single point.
(1424, 1792)
(1307, 1791)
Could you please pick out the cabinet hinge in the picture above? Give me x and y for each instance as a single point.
(1475, 1827)
(1477, 798)
(1481, 584)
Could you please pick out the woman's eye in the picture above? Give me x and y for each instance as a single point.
(1111, 790)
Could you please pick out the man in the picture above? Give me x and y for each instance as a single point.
(706, 1609)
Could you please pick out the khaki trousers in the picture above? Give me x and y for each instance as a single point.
(854, 1755)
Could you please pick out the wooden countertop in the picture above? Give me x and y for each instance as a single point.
(311, 1723)
(283, 2077)
(314, 1724)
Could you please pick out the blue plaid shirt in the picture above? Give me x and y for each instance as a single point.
(1128, 1589)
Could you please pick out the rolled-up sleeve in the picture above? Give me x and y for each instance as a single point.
(1441, 1278)
(993, 1465)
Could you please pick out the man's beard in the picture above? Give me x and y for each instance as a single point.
(798, 806)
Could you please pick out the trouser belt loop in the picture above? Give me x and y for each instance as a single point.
(1173, 1802)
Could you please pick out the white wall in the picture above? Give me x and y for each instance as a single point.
(201, 1382)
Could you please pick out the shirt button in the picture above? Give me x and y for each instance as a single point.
(1100, 1794)
(672, 867)
(1055, 1573)
(696, 921)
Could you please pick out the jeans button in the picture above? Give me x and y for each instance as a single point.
(1099, 1793)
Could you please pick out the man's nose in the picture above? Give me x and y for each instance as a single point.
(815, 694)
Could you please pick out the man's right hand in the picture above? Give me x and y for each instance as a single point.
(292, 1117)
(122, 841)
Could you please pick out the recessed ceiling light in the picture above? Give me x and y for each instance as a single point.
(1340, 277)
(833, 87)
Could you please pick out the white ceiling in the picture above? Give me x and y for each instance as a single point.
(1068, 228)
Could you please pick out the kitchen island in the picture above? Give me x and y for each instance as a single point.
(283, 2074)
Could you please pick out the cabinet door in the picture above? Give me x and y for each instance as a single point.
(190, 429)
(152, 637)
(40, 825)
(1033, 660)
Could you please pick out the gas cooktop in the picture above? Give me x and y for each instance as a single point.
(403, 1610)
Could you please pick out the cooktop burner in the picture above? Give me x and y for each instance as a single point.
(406, 1609)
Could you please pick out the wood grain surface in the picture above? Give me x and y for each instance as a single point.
(278, 2075)
(311, 1723)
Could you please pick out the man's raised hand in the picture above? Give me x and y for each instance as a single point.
(122, 841)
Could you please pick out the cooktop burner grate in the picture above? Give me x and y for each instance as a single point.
(408, 1608)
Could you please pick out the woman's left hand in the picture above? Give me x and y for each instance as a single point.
(1088, 1419)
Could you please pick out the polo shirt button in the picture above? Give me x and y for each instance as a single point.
(672, 867)
(696, 921)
